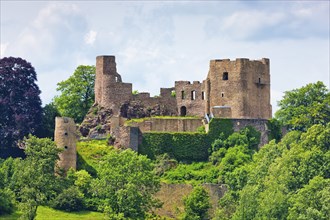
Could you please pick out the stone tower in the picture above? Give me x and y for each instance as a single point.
(110, 91)
(65, 138)
(238, 89)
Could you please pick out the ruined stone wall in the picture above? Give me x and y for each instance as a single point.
(242, 85)
(258, 124)
(172, 196)
(190, 98)
(110, 91)
(169, 125)
(165, 101)
(65, 138)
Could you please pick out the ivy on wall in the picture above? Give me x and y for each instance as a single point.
(185, 146)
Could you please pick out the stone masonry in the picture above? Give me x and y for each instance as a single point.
(232, 89)
(66, 138)
(236, 89)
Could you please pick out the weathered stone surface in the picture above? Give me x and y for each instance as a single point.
(97, 123)
(65, 138)
(172, 196)
(237, 89)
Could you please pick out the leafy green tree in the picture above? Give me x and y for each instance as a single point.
(34, 179)
(77, 93)
(196, 204)
(312, 201)
(7, 196)
(301, 108)
(126, 183)
(20, 103)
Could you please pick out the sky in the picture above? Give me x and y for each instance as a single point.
(159, 42)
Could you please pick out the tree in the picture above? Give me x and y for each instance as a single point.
(34, 179)
(126, 183)
(196, 204)
(301, 108)
(312, 201)
(77, 93)
(49, 112)
(20, 104)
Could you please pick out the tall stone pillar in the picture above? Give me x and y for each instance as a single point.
(66, 139)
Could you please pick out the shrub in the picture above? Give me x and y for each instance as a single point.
(70, 199)
(196, 204)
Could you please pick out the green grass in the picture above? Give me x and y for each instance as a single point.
(89, 153)
(194, 173)
(46, 213)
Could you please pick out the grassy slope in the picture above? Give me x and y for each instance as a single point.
(52, 214)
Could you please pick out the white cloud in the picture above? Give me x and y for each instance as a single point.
(90, 37)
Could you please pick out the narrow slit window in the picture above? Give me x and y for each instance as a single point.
(259, 81)
(182, 95)
(222, 94)
(225, 76)
(203, 96)
(193, 95)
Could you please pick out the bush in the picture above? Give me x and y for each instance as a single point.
(196, 204)
(70, 199)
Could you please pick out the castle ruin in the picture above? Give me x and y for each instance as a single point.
(232, 89)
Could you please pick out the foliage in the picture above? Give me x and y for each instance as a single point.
(135, 92)
(182, 146)
(185, 146)
(20, 103)
(196, 204)
(173, 93)
(275, 128)
(301, 108)
(44, 212)
(7, 197)
(77, 93)
(164, 163)
(279, 182)
(90, 153)
(195, 173)
(34, 179)
(49, 112)
(312, 201)
(70, 199)
(125, 185)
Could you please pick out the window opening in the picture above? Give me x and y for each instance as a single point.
(183, 111)
(203, 95)
(259, 80)
(225, 76)
(182, 95)
(193, 95)
(222, 94)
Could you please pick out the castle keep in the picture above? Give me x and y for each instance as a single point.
(232, 89)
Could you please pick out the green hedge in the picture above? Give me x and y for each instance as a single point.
(185, 146)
